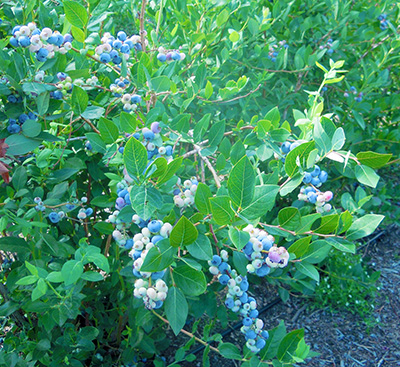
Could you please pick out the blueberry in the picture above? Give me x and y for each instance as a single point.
(312, 197)
(117, 60)
(154, 226)
(42, 53)
(138, 47)
(156, 238)
(129, 244)
(263, 271)
(14, 42)
(267, 244)
(175, 56)
(136, 99)
(52, 39)
(247, 321)
(54, 218)
(265, 334)
(353, 89)
(216, 260)
(117, 44)
(244, 285)
(67, 38)
(244, 298)
(223, 267)
(285, 147)
(125, 49)
(315, 181)
(168, 150)
(323, 176)
(12, 99)
(105, 57)
(89, 212)
(57, 94)
(12, 121)
(250, 334)
(229, 303)
(60, 40)
(161, 57)
(136, 136)
(260, 344)
(157, 275)
(121, 35)
(70, 206)
(307, 178)
(148, 134)
(24, 41)
(316, 171)
(224, 279)
(253, 314)
(22, 118)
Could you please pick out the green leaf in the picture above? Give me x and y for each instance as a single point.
(135, 158)
(234, 36)
(298, 157)
(79, 100)
(273, 116)
(92, 276)
(159, 257)
(338, 139)
(221, 210)
(19, 178)
(108, 130)
(263, 201)
(308, 270)
(30, 279)
(288, 345)
(322, 140)
(176, 309)
(230, 351)
(201, 199)
(289, 218)
(128, 122)
(184, 233)
(40, 289)
(160, 84)
(328, 224)
(239, 238)
(240, 262)
(366, 175)
(317, 251)
(71, 271)
(300, 247)
(31, 128)
(342, 245)
(291, 185)
(99, 260)
(275, 337)
(208, 90)
(192, 282)
(364, 226)
(145, 200)
(216, 133)
(241, 183)
(32, 269)
(42, 102)
(97, 142)
(20, 144)
(372, 159)
(55, 277)
(173, 166)
(201, 248)
(75, 13)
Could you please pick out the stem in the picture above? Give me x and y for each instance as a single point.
(159, 17)
(210, 166)
(142, 38)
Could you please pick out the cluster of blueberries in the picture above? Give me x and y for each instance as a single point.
(239, 301)
(184, 195)
(114, 49)
(287, 147)
(273, 51)
(316, 177)
(44, 43)
(353, 90)
(12, 98)
(262, 252)
(384, 23)
(320, 199)
(14, 125)
(328, 46)
(164, 55)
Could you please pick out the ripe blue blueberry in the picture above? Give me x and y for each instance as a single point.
(216, 260)
(121, 35)
(307, 178)
(105, 57)
(285, 147)
(223, 267)
(43, 53)
(250, 334)
(22, 118)
(229, 303)
(89, 212)
(316, 171)
(160, 57)
(129, 243)
(260, 344)
(156, 238)
(136, 99)
(24, 41)
(54, 218)
(148, 134)
(121, 150)
(154, 226)
(224, 279)
(12, 99)
(168, 150)
(14, 42)
(247, 321)
(315, 181)
(125, 49)
(323, 176)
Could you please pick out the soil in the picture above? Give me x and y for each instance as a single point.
(342, 338)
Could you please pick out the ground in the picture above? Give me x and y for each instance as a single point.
(341, 338)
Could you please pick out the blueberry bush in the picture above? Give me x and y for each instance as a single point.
(159, 159)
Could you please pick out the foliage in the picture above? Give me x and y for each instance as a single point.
(182, 164)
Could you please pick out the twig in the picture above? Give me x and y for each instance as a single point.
(233, 99)
(91, 125)
(142, 39)
(210, 167)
